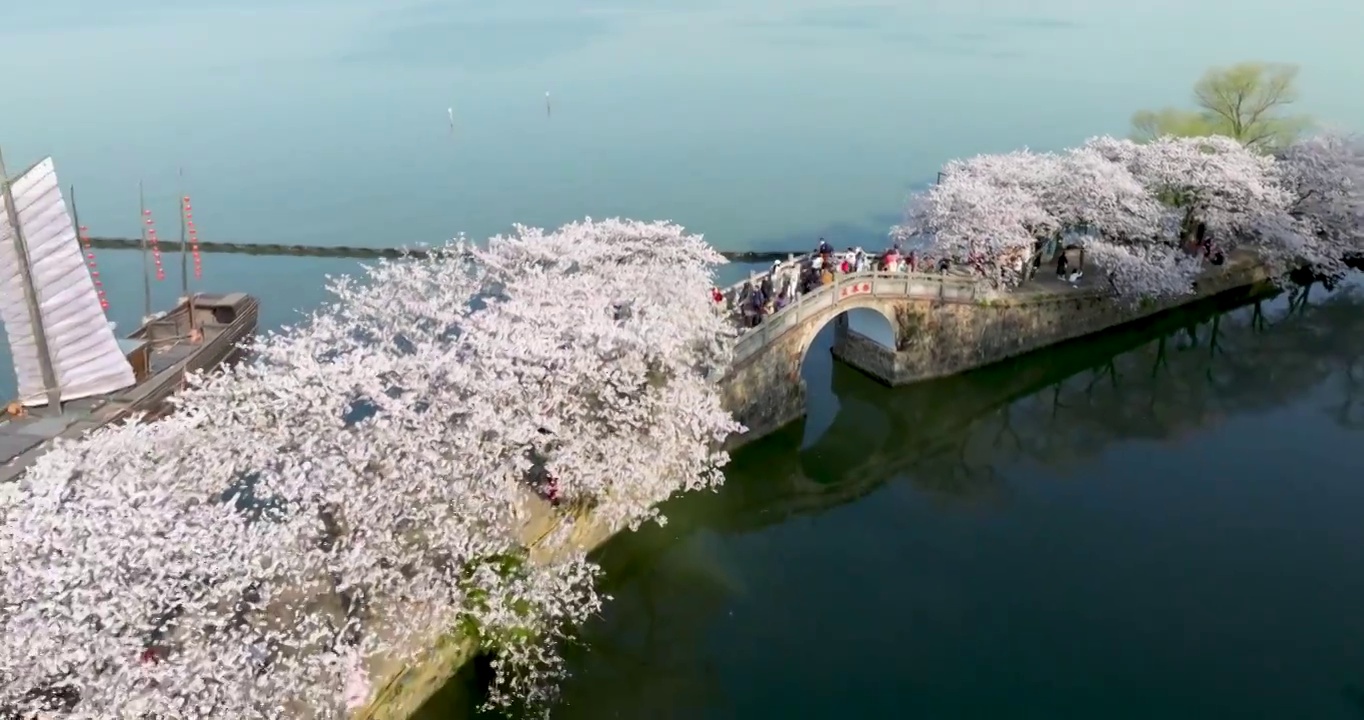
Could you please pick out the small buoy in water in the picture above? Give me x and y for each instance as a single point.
(548, 111)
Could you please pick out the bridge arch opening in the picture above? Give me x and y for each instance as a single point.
(855, 325)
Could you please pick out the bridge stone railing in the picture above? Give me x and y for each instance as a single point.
(871, 283)
(733, 289)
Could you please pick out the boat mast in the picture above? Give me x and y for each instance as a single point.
(75, 216)
(76, 220)
(35, 313)
(184, 240)
(184, 254)
(146, 270)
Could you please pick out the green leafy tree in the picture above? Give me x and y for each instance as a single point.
(1247, 101)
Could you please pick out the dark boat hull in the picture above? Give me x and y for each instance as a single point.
(167, 353)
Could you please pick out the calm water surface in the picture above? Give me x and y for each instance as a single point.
(1158, 523)
(752, 121)
(761, 124)
(1173, 539)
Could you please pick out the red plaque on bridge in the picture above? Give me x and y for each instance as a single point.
(858, 289)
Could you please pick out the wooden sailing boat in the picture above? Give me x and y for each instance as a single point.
(74, 374)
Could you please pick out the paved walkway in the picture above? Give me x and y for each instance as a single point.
(1045, 281)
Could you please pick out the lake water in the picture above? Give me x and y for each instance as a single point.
(1160, 522)
(1200, 565)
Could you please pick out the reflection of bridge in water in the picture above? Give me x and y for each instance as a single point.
(1159, 379)
(1169, 377)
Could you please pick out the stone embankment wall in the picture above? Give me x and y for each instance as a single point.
(766, 392)
(940, 339)
(404, 687)
(865, 354)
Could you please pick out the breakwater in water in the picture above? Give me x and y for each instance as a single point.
(365, 253)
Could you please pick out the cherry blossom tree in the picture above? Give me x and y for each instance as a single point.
(1137, 272)
(1138, 203)
(1324, 225)
(989, 206)
(1215, 181)
(360, 488)
(1005, 206)
(1095, 194)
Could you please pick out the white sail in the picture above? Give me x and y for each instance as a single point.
(85, 354)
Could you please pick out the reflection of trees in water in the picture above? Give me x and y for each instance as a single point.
(646, 653)
(1249, 359)
(1160, 379)
(1354, 697)
(1169, 377)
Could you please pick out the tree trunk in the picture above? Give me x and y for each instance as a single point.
(1191, 232)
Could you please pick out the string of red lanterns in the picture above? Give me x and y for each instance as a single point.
(155, 246)
(187, 211)
(83, 233)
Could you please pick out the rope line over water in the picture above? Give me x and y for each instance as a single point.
(342, 251)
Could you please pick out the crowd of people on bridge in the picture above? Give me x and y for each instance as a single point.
(786, 281)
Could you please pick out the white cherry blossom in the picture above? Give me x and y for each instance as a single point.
(1093, 193)
(990, 205)
(1325, 223)
(1214, 180)
(1136, 272)
(359, 489)
(1142, 206)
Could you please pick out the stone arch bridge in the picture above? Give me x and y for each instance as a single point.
(942, 325)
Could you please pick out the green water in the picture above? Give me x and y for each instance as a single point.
(1182, 542)
(1162, 522)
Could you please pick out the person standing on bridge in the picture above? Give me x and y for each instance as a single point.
(776, 275)
(809, 276)
(757, 306)
(743, 302)
(890, 262)
(788, 279)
